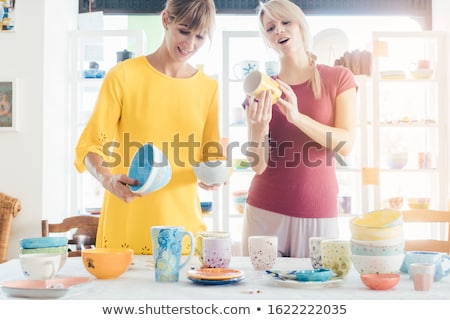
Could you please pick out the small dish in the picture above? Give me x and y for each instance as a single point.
(305, 284)
(322, 274)
(46, 289)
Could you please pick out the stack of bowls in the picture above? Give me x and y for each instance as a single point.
(377, 243)
(46, 245)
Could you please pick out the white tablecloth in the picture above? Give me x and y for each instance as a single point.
(138, 284)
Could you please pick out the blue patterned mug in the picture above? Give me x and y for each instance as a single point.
(167, 244)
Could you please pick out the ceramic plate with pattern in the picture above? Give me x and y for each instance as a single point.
(46, 289)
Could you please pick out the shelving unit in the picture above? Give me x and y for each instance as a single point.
(87, 46)
(410, 116)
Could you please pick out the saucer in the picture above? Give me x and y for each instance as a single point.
(216, 282)
(214, 274)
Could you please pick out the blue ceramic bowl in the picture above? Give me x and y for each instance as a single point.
(206, 206)
(43, 242)
(322, 274)
(151, 168)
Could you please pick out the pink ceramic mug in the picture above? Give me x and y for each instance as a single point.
(216, 252)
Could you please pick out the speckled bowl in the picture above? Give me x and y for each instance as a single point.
(371, 250)
(377, 264)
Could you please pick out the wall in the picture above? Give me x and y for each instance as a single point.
(33, 159)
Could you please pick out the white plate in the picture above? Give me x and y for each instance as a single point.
(305, 284)
(46, 289)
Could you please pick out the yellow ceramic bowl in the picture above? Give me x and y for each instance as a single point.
(372, 233)
(107, 263)
(379, 219)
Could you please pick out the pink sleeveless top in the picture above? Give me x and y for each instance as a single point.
(300, 180)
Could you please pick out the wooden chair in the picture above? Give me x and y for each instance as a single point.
(9, 208)
(432, 217)
(84, 230)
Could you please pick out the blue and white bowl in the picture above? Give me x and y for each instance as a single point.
(151, 168)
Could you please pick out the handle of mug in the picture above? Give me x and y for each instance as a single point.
(54, 270)
(446, 271)
(191, 252)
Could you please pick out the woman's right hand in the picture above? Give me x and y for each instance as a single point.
(119, 186)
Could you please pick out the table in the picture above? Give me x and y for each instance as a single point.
(138, 284)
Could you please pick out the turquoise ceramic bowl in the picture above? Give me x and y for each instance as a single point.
(322, 274)
(43, 242)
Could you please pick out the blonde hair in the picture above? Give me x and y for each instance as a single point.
(285, 10)
(197, 15)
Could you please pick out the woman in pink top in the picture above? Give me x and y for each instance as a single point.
(294, 143)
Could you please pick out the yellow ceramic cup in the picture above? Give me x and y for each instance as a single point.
(257, 82)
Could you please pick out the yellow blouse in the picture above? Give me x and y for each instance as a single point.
(138, 104)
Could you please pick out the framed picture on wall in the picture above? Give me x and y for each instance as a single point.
(7, 15)
(8, 105)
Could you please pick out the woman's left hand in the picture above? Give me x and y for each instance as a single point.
(209, 187)
(288, 105)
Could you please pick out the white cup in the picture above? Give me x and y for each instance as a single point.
(272, 67)
(40, 266)
(314, 251)
(263, 251)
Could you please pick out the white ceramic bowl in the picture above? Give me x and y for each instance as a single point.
(396, 160)
(377, 264)
(214, 172)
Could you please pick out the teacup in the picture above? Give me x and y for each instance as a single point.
(422, 275)
(263, 251)
(440, 260)
(336, 255)
(200, 236)
(314, 251)
(40, 266)
(167, 242)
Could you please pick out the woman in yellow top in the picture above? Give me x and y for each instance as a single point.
(158, 99)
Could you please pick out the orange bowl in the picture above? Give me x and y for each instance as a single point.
(380, 281)
(107, 263)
